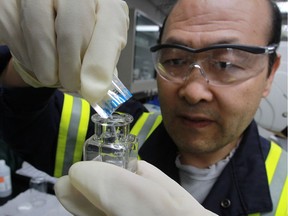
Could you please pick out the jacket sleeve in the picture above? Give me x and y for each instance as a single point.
(5, 56)
(29, 120)
(134, 108)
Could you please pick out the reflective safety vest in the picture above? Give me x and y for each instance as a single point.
(73, 127)
(275, 163)
(145, 125)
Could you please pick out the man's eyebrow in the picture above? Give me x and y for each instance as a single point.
(226, 41)
(216, 42)
(222, 41)
(175, 41)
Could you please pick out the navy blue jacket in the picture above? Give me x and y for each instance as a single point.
(242, 187)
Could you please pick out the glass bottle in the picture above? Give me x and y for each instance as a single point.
(5, 179)
(112, 142)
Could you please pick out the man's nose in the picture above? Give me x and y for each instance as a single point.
(195, 88)
(194, 71)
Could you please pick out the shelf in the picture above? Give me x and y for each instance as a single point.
(135, 66)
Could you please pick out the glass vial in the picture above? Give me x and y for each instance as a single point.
(112, 142)
(5, 179)
(116, 95)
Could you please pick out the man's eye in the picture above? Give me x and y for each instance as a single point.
(223, 65)
(227, 66)
(174, 62)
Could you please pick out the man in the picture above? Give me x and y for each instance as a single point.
(208, 141)
(210, 83)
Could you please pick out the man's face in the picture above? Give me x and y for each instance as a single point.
(199, 117)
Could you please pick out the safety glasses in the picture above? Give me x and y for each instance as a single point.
(220, 65)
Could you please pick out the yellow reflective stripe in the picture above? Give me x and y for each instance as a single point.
(282, 209)
(155, 125)
(82, 130)
(139, 124)
(146, 127)
(272, 161)
(278, 180)
(143, 127)
(275, 162)
(62, 136)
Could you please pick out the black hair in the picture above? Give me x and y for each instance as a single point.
(161, 30)
(285, 131)
(275, 33)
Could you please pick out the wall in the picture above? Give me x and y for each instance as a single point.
(148, 8)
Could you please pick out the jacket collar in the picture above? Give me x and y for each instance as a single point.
(242, 188)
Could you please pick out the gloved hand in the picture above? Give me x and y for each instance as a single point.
(65, 43)
(97, 188)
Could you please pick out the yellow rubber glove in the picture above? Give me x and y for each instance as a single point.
(97, 188)
(65, 43)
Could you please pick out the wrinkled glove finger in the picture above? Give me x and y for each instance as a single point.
(115, 190)
(75, 24)
(119, 192)
(11, 33)
(37, 22)
(73, 200)
(149, 171)
(108, 39)
(152, 173)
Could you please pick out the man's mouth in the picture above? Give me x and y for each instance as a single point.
(196, 121)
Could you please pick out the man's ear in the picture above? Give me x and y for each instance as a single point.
(270, 79)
